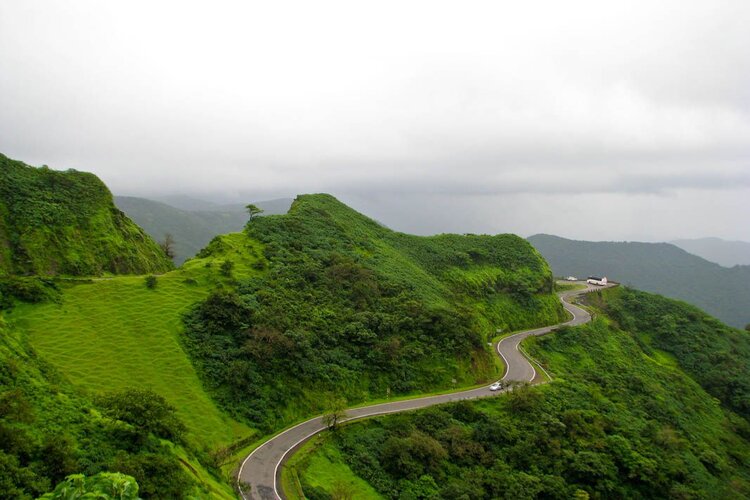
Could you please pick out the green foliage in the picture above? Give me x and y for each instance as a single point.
(226, 268)
(715, 355)
(49, 430)
(102, 486)
(32, 290)
(253, 210)
(150, 281)
(66, 223)
(112, 334)
(616, 423)
(343, 305)
(146, 411)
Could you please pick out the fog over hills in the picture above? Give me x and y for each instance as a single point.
(656, 267)
(723, 252)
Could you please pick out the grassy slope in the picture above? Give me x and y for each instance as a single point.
(114, 333)
(65, 223)
(51, 428)
(617, 421)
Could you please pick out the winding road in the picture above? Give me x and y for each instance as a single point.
(262, 468)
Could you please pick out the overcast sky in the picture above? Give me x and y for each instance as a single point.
(592, 120)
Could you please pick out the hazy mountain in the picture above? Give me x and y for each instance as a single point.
(191, 229)
(726, 253)
(656, 267)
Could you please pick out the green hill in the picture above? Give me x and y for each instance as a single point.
(346, 308)
(655, 267)
(632, 413)
(191, 229)
(65, 223)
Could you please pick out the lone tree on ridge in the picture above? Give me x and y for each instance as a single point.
(253, 210)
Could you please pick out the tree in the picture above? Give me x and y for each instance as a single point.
(336, 413)
(747, 327)
(150, 281)
(103, 485)
(145, 410)
(168, 245)
(253, 210)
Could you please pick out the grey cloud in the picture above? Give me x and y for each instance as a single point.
(491, 108)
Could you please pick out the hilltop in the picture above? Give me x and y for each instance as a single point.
(65, 223)
(191, 223)
(346, 308)
(655, 267)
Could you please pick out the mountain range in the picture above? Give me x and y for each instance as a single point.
(723, 252)
(661, 268)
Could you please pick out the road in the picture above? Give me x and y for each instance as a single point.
(262, 468)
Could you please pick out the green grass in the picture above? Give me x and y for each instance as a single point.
(113, 333)
(324, 469)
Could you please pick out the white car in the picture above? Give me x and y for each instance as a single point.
(496, 386)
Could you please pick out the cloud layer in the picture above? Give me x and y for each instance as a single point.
(492, 109)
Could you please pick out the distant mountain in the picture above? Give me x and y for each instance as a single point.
(54, 222)
(191, 229)
(723, 252)
(656, 267)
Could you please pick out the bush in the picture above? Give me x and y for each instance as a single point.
(145, 410)
(150, 281)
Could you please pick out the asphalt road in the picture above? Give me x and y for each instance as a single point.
(262, 468)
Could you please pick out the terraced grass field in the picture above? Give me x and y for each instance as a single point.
(108, 334)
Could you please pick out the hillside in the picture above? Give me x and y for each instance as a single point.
(626, 417)
(194, 227)
(105, 336)
(655, 267)
(50, 429)
(346, 308)
(65, 223)
(723, 252)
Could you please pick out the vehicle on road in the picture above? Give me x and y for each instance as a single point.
(496, 386)
(571, 278)
(593, 280)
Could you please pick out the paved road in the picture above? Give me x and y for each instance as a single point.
(262, 468)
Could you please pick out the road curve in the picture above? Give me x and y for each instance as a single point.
(261, 469)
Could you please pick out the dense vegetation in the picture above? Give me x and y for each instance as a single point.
(618, 422)
(108, 336)
(655, 267)
(192, 229)
(48, 430)
(66, 223)
(349, 308)
(715, 355)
